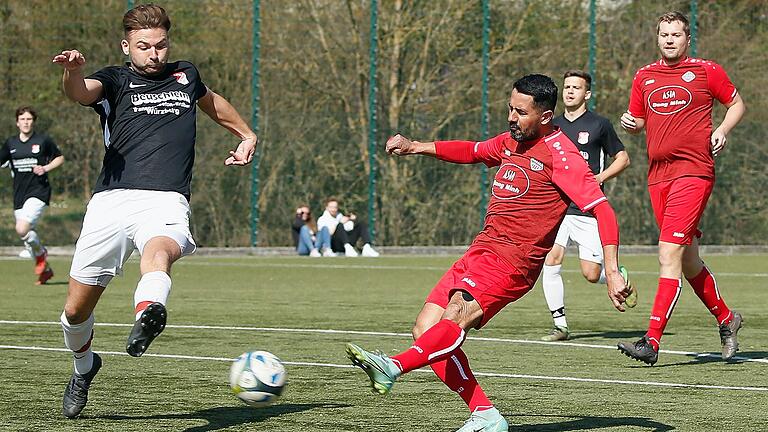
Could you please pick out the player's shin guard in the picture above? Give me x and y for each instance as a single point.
(78, 337)
(705, 286)
(32, 241)
(153, 287)
(663, 305)
(456, 374)
(436, 344)
(554, 293)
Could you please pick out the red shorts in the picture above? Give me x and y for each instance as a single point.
(678, 205)
(489, 279)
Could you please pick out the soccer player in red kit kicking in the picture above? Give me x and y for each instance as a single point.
(540, 173)
(672, 100)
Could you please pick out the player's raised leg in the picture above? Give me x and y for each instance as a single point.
(77, 322)
(152, 292)
(457, 376)
(26, 219)
(438, 336)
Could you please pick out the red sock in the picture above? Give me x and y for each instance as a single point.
(456, 374)
(663, 304)
(434, 345)
(141, 306)
(705, 286)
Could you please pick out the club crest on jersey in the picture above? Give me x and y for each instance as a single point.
(181, 77)
(511, 182)
(35, 148)
(689, 76)
(583, 137)
(669, 100)
(536, 165)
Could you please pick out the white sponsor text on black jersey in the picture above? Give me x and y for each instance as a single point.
(149, 127)
(22, 156)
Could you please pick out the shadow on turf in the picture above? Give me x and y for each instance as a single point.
(577, 423)
(716, 358)
(226, 417)
(631, 334)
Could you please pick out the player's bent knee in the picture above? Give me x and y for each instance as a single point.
(74, 314)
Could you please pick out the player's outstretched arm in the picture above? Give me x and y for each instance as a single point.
(223, 113)
(77, 88)
(733, 115)
(401, 146)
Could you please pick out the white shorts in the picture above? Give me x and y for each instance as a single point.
(583, 231)
(31, 211)
(118, 221)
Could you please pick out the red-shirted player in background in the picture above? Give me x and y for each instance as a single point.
(540, 173)
(672, 99)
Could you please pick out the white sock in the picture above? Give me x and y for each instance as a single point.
(32, 241)
(554, 293)
(602, 275)
(153, 287)
(77, 337)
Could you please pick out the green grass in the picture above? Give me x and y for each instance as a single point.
(379, 295)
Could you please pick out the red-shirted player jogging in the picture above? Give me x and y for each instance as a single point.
(672, 99)
(540, 173)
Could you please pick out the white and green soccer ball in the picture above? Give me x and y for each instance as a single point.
(257, 378)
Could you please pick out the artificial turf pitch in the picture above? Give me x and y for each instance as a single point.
(305, 309)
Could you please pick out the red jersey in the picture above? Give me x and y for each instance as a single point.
(530, 193)
(676, 103)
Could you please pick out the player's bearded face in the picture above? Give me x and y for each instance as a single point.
(673, 41)
(148, 50)
(524, 118)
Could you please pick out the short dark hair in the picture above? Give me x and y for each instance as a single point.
(541, 88)
(146, 16)
(26, 109)
(580, 74)
(674, 16)
(329, 199)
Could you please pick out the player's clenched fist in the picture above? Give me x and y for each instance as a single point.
(70, 59)
(399, 145)
(628, 122)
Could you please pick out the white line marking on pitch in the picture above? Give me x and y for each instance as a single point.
(404, 335)
(384, 267)
(485, 374)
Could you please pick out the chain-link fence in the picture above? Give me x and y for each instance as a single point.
(314, 105)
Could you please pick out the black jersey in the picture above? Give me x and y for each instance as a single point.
(22, 156)
(594, 137)
(149, 127)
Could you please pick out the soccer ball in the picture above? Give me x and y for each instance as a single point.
(257, 378)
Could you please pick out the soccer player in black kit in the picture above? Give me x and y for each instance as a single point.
(141, 198)
(31, 156)
(595, 139)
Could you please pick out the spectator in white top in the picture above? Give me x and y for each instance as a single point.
(345, 230)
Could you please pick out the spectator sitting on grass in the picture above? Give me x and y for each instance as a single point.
(307, 239)
(352, 230)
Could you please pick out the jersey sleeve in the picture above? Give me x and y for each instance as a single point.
(719, 84)
(200, 88)
(571, 174)
(636, 102)
(5, 153)
(610, 140)
(466, 152)
(53, 149)
(109, 78)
